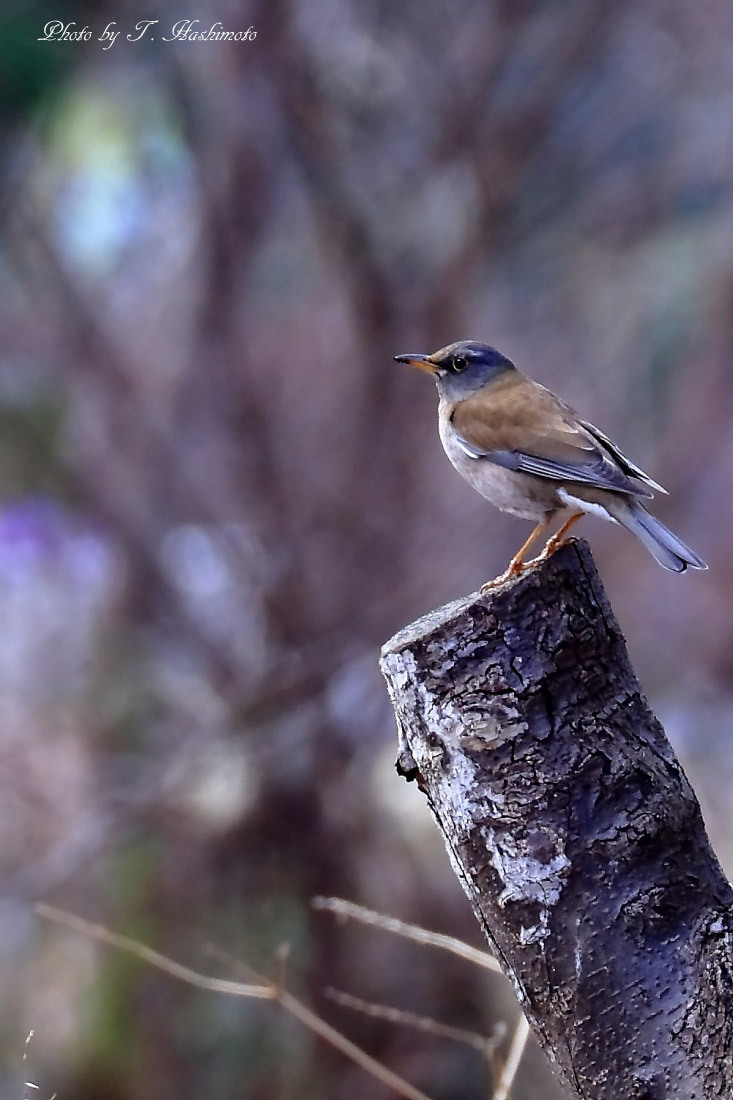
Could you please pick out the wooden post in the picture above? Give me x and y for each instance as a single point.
(574, 832)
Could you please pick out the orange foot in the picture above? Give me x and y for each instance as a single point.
(514, 568)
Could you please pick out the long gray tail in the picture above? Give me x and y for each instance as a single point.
(661, 543)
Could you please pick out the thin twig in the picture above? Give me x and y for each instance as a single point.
(282, 955)
(486, 1045)
(513, 1058)
(349, 910)
(265, 991)
(99, 932)
(238, 965)
(351, 1050)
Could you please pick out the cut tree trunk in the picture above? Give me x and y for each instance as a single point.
(574, 832)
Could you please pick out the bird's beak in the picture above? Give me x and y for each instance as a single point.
(422, 362)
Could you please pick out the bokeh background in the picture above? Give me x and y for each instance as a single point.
(219, 495)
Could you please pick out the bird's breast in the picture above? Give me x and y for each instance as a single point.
(517, 493)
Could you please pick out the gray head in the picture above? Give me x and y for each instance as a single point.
(461, 369)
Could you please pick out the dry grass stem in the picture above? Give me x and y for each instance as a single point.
(348, 910)
(513, 1058)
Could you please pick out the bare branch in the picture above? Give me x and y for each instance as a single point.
(266, 991)
(348, 910)
(485, 1044)
(351, 1050)
(161, 962)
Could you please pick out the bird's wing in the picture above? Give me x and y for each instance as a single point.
(522, 426)
(625, 463)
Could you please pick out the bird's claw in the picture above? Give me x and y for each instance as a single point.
(513, 570)
(548, 550)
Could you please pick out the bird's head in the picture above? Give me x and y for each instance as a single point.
(461, 369)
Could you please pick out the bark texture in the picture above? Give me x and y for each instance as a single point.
(574, 832)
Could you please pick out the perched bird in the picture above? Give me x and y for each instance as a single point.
(530, 454)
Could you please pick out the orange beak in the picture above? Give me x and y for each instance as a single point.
(422, 362)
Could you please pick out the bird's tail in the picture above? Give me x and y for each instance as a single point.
(670, 551)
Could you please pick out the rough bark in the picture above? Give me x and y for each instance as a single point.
(574, 832)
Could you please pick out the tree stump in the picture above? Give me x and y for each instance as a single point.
(574, 832)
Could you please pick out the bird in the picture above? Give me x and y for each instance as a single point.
(530, 454)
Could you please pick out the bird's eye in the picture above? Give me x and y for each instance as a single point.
(459, 363)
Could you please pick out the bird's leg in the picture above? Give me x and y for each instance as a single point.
(558, 539)
(517, 564)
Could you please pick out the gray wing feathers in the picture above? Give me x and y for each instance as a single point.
(626, 464)
(599, 471)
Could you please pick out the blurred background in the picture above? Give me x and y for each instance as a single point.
(219, 495)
